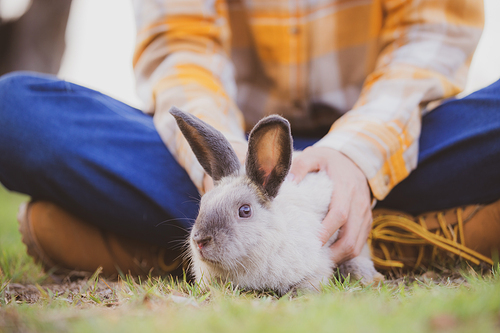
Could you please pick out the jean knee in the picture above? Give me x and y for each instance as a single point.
(11, 84)
(13, 91)
(21, 120)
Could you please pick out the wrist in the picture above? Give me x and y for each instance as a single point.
(353, 166)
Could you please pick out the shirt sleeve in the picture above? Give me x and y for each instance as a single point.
(425, 51)
(182, 58)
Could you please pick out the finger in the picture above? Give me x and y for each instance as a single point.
(336, 217)
(363, 236)
(351, 242)
(345, 247)
(365, 213)
(301, 166)
(368, 222)
(338, 211)
(366, 230)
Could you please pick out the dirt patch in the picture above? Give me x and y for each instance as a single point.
(82, 291)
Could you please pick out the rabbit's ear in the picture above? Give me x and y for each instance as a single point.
(211, 148)
(269, 154)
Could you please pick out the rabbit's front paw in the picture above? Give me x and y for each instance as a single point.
(361, 268)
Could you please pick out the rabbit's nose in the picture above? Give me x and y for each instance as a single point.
(202, 241)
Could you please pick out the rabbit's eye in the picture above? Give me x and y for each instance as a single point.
(245, 211)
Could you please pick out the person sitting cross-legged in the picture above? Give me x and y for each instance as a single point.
(117, 187)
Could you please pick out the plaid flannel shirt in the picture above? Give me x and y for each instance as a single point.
(375, 62)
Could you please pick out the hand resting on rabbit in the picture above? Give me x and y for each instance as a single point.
(254, 228)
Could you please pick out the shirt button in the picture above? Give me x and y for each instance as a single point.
(386, 180)
(294, 30)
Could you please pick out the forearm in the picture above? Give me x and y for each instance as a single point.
(424, 57)
(182, 59)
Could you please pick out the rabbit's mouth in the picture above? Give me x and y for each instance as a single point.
(204, 256)
(213, 262)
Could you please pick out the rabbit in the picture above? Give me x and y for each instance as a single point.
(255, 228)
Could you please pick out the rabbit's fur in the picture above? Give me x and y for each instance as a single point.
(277, 247)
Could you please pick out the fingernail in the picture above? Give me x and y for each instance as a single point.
(290, 177)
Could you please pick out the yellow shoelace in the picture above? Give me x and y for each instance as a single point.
(401, 230)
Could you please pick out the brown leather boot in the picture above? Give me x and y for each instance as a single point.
(63, 243)
(399, 240)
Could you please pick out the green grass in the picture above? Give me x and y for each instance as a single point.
(9, 238)
(162, 305)
(29, 304)
(15, 264)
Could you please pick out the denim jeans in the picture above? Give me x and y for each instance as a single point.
(105, 162)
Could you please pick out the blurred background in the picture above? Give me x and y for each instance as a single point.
(99, 42)
(100, 38)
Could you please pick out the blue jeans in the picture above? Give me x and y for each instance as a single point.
(105, 162)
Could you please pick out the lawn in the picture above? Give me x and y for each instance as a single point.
(31, 302)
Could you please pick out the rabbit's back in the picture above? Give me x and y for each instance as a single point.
(307, 201)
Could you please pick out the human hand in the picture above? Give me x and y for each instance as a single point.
(241, 152)
(350, 207)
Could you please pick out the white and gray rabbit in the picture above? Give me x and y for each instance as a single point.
(255, 229)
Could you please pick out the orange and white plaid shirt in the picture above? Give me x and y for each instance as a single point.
(376, 62)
